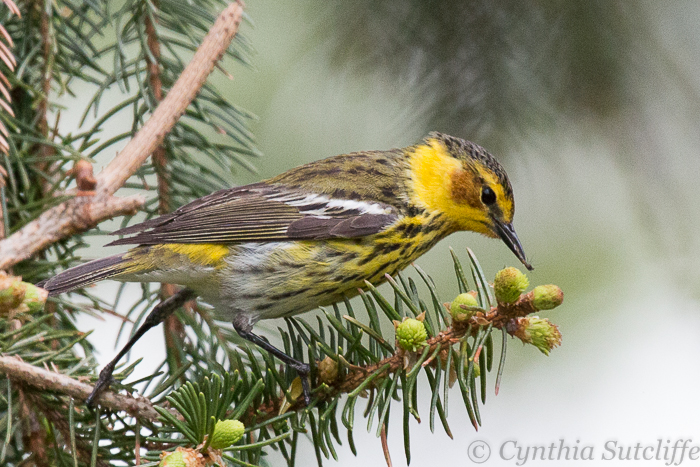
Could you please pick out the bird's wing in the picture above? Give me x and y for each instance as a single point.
(262, 213)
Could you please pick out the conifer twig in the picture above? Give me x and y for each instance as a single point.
(67, 219)
(141, 408)
(172, 327)
(60, 222)
(175, 103)
(39, 378)
(498, 316)
(10, 62)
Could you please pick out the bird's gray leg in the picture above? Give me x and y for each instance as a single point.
(303, 369)
(154, 318)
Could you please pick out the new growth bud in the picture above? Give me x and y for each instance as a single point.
(539, 332)
(477, 369)
(459, 308)
(34, 298)
(509, 284)
(328, 370)
(183, 457)
(546, 297)
(19, 297)
(411, 334)
(226, 433)
(173, 459)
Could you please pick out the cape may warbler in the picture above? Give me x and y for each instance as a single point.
(314, 234)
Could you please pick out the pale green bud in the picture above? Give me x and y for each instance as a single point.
(174, 459)
(411, 334)
(509, 284)
(458, 312)
(546, 297)
(226, 433)
(477, 369)
(19, 297)
(539, 332)
(34, 298)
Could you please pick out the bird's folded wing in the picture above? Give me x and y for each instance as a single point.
(262, 213)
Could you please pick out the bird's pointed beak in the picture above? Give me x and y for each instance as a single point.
(508, 235)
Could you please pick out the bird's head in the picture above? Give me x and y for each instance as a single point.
(467, 186)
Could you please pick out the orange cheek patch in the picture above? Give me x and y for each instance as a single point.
(463, 188)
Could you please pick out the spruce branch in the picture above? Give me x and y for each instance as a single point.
(44, 380)
(60, 222)
(173, 329)
(10, 62)
(63, 221)
(503, 315)
(34, 433)
(359, 360)
(175, 103)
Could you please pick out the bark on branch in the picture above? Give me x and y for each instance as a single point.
(44, 380)
(67, 218)
(175, 103)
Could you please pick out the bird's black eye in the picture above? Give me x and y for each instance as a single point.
(488, 197)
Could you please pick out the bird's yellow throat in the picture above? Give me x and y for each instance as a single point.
(441, 184)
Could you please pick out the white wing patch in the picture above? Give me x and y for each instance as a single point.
(322, 206)
(363, 207)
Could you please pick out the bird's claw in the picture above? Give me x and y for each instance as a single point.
(303, 370)
(104, 381)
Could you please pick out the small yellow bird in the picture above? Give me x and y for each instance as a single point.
(314, 234)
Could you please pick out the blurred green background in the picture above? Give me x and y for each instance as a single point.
(594, 110)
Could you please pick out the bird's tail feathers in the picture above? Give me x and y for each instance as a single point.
(84, 274)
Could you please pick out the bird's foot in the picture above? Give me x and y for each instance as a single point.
(103, 382)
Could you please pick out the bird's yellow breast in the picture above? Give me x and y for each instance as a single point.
(296, 276)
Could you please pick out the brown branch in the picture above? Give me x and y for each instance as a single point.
(83, 446)
(356, 375)
(43, 151)
(38, 234)
(43, 105)
(173, 330)
(34, 434)
(175, 103)
(3, 203)
(44, 380)
(67, 219)
(160, 161)
(10, 61)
